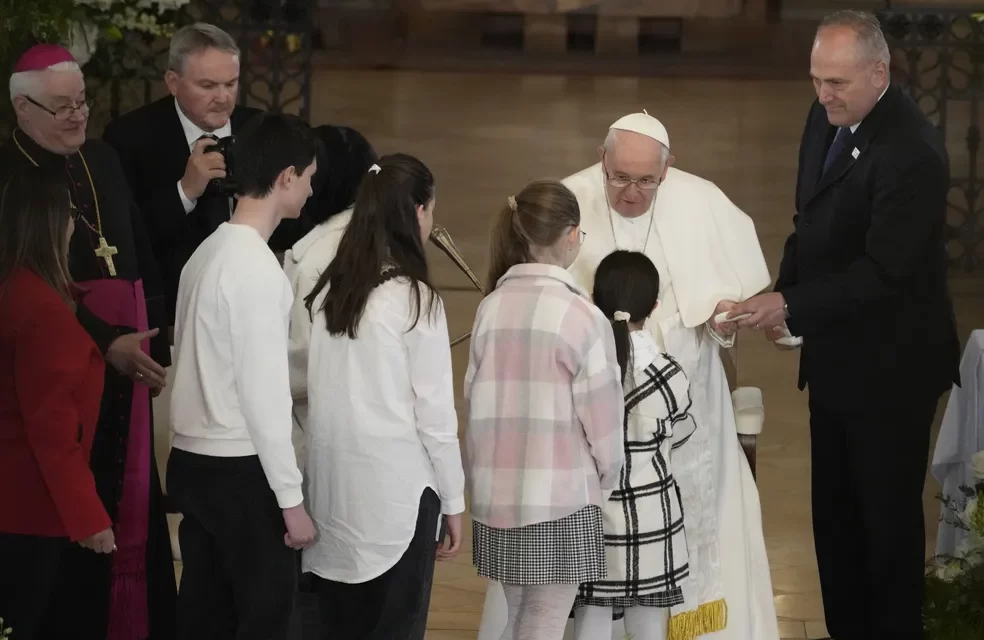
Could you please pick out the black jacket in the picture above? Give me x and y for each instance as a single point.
(864, 272)
(154, 152)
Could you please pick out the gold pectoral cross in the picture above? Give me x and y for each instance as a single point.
(106, 252)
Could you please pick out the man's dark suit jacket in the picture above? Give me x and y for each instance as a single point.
(864, 272)
(154, 152)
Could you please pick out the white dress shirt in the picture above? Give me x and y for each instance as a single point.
(381, 429)
(231, 395)
(192, 133)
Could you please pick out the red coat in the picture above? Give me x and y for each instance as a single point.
(51, 382)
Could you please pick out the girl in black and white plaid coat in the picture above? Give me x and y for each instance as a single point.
(645, 542)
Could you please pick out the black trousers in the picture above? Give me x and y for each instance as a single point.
(393, 606)
(29, 575)
(239, 579)
(869, 468)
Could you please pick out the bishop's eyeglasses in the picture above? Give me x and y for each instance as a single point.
(62, 114)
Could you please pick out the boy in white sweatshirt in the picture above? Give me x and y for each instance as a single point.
(232, 472)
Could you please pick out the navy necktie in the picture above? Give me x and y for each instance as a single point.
(840, 141)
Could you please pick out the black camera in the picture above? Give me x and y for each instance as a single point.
(228, 184)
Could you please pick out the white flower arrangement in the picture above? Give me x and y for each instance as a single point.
(82, 41)
(970, 517)
(159, 5)
(977, 462)
(103, 22)
(953, 608)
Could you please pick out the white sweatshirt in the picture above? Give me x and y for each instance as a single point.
(231, 395)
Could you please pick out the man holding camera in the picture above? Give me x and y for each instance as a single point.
(173, 149)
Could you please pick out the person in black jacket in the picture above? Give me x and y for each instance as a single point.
(863, 281)
(168, 147)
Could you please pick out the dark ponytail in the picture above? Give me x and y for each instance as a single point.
(626, 282)
(623, 348)
(383, 235)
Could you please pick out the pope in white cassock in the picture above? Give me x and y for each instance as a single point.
(709, 258)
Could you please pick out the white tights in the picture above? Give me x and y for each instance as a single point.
(538, 612)
(641, 623)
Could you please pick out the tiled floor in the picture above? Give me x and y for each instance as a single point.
(484, 136)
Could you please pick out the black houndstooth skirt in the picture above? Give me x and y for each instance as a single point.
(665, 600)
(566, 551)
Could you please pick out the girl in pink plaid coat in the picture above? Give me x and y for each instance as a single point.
(544, 439)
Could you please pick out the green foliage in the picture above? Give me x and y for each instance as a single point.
(976, 523)
(954, 603)
(5, 632)
(23, 21)
(125, 40)
(954, 610)
(46, 20)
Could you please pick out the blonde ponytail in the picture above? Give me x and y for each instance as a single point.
(508, 246)
(536, 216)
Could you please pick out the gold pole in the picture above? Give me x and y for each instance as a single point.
(440, 237)
(460, 339)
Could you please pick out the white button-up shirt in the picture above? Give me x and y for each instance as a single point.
(381, 429)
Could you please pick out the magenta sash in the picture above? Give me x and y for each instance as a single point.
(122, 303)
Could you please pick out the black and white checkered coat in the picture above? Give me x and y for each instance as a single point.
(645, 541)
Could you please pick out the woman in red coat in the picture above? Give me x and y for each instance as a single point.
(51, 377)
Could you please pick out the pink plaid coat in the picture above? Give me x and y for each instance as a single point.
(544, 435)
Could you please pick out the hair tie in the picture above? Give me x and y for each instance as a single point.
(512, 203)
(622, 316)
(374, 169)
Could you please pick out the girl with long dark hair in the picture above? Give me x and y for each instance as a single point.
(51, 382)
(383, 459)
(645, 542)
(545, 412)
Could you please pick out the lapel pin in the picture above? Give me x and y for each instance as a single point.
(855, 153)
